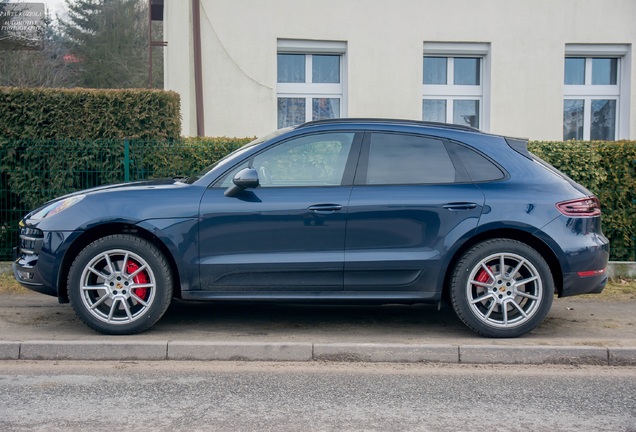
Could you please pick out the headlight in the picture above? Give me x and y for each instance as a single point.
(57, 206)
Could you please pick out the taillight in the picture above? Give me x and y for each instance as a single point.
(591, 273)
(589, 206)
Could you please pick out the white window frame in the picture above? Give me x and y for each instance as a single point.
(451, 92)
(309, 90)
(588, 92)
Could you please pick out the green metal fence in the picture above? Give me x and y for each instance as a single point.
(32, 172)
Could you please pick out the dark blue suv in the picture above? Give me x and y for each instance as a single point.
(383, 211)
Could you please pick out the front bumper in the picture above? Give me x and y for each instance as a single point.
(38, 259)
(25, 272)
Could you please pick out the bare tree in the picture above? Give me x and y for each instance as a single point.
(100, 44)
(110, 41)
(47, 66)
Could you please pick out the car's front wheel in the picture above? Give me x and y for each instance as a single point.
(502, 288)
(120, 284)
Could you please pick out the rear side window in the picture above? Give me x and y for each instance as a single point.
(408, 159)
(479, 168)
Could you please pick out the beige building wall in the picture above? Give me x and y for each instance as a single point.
(385, 39)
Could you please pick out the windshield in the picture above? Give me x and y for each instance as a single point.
(238, 151)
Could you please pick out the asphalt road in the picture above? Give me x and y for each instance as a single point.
(219, 396)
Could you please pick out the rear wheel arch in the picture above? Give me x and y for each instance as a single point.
(95, 233)
(522, 236)
(502, 288)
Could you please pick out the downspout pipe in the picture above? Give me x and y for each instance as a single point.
(149, 43)
(198, 68)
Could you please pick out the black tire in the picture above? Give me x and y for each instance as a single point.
(120, 284)
(502, 304)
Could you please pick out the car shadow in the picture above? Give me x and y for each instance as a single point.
(363, 323)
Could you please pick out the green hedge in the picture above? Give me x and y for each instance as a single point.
(608, 169)
(186, 157)
(37, 171)
(88, 114)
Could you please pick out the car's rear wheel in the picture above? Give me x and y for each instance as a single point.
(120, 284)
(502, 288)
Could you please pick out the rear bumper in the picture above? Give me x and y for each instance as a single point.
(582, 252)
(573, 284)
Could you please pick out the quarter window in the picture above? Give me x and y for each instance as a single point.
(479, 168)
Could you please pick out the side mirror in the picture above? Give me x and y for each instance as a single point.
(247, 178)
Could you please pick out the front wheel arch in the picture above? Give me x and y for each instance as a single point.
(120, 284)
(105, 230)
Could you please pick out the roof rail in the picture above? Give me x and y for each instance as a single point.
(393, 121)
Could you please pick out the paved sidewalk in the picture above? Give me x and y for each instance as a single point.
(577, 331)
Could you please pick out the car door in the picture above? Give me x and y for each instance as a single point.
(287, 234)
(411, 202)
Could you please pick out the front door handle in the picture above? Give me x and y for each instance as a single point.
(325, 208)
(460, 206)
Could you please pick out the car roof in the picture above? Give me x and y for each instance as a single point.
(483, 141)
(446, 130)
(386, 121)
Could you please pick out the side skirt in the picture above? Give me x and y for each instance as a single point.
(381, 297)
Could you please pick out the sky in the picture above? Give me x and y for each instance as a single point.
(56, 7)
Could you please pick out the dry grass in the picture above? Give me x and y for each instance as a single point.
(8, 285)
(617, 289)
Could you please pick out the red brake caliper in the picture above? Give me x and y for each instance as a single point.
(140, 278)
(483, 276)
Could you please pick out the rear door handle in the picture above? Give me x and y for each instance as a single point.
(460, 206)
(325, 208)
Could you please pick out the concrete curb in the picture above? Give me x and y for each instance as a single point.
(622, 356)
(488, 354)
(248, 351)
(9, 350)
(92, 350)
(395, 353)
(306, 351)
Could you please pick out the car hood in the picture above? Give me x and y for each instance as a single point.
(123, 203)
(142, 184)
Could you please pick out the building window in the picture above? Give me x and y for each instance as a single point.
(593, 83)
(454, 78)
(310, 78)
(591, 98)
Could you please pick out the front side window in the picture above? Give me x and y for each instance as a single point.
(316, 160)
(591, 98)
(452, 90)
(310, 84)
(408, 159)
